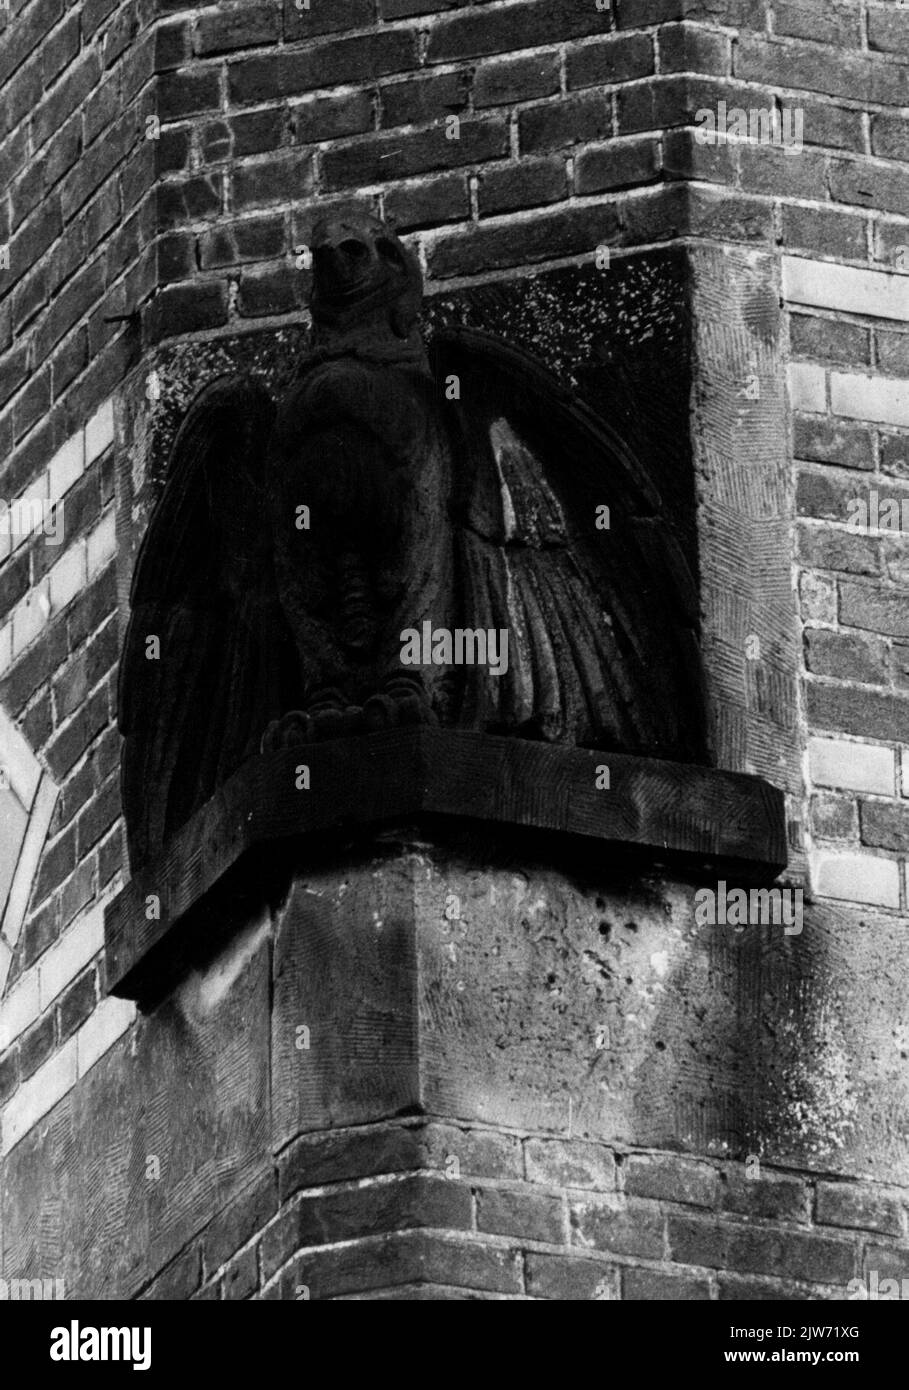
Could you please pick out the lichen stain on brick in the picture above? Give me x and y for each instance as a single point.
(814, 1098)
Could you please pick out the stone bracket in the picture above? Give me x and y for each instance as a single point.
(700, 814)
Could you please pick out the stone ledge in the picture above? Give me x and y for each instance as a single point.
(697, 814)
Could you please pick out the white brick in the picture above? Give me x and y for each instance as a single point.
(878, 398)
(99, 432)
(19, 1009)
(873, 293)
(856, 878)
(35, 492)
(17, 757)
(807, 386)
(29, 617)
(68, 576)
(99, 1032)
(102, 544)
(67, 466)
(857, 767)
(60, 965)
(39, 1094)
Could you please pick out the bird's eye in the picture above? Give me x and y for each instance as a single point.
(389, 252)
(354, 249)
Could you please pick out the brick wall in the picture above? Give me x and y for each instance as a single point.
(452, 1211)
(161, 165)
(849, 383)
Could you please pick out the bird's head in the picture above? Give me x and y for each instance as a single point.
(359, 269)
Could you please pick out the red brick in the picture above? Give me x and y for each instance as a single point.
(619, 58)
(423, 99)
(888, 29)
(527, 183)
(471, 35)
(93, 168)
(338, 1216)
(342, 1155)
(617, 165)
(381, 158)
(670, 1179)
(734, 1289)
(250, 239)
(188, 308)
(829, 340)
(77, 790)
(271, 180)
(804, 67)
(526, 1214)
(172, 45)
(874, 608)
(36, 1046)
(690, 48)
(868, 185)
(57, 863)
(257, 131)
(31, 404)
(59, 49)
(886, 827)
(32, 669)
(826, 495)
(323, 19)
(559, 124)
(830, 233)
(570, 1278)
(835, 23)
(76, 1004)
(329, 118)
(404, 1258)
(84, 290)
(40, 932)
(189, 200)
(823, 441)
(545, 237)
(176, 257)
(67, 97)
(9, 1074)
(248, 26)
(798, 1255)
(833, 817)
(277, 290)
(627, 1229)
(356, 60)
(28, 31)
(188, 93)
(71, 742)
(120, 34)
(516, 79)
(846, 656)
(822, 547)
(69, 361)
(658, 1286)
(429, 203)
(835, 127)
(99, 816)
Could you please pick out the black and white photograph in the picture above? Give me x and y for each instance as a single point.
(454, 667)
